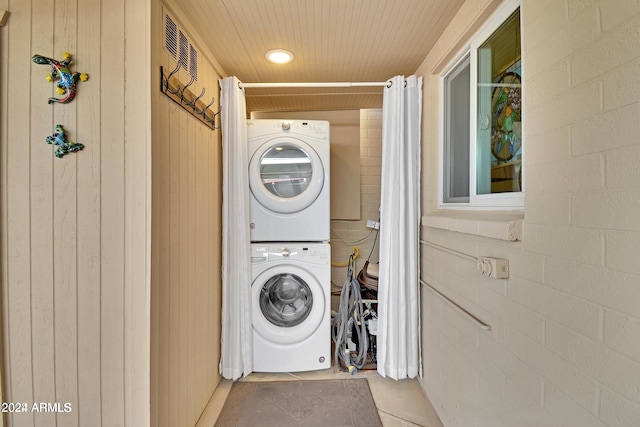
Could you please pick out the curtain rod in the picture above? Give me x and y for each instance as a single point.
(324, 84)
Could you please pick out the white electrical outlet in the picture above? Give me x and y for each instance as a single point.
(494, 267)
(373, 224)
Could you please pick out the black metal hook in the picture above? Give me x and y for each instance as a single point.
(187, 100)
(203, 113)
(193, 79)
(193, 103)
(167, 86)
(175, 70)
(212, 120)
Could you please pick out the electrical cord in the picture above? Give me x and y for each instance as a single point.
(350, 316)
(355, 248)
(375, 239)
(352, 243)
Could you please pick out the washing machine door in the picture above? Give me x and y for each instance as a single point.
(286, 175)
(288, 304)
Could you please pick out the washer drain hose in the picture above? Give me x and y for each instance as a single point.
(350, 315)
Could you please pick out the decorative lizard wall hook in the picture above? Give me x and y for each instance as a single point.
(59, 138)
(67, 80)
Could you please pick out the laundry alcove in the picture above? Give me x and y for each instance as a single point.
(402, 170)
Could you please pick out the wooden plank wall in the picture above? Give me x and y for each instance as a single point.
(186, 243)
(3, 234)
(75, 231)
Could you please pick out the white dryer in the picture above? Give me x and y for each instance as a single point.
(289, 180)
(291, 285)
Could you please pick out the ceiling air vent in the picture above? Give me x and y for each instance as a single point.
(179, 47)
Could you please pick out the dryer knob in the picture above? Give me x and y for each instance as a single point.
(286, 252)
(286, 125)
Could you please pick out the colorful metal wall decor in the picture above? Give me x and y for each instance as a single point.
(59, 138)
(67, 80)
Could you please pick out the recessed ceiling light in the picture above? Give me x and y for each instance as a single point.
(279, 56)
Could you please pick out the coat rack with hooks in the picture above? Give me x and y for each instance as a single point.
(181, 95)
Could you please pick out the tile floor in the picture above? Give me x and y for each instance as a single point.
(400, 403)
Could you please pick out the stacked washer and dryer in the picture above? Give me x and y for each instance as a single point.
(290, 252)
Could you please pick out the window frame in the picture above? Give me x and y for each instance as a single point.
(492, 201)
(447, 149)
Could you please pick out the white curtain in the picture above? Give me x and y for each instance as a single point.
(398, 288)
(236, 357)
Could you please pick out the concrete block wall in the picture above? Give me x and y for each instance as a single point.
(564, 349)
(343, 233)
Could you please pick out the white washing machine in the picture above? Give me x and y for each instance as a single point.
(291, 285)
(289, 180)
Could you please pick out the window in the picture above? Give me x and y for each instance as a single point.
(481, 148)
(457, 115)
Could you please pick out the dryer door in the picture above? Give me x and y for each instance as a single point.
(288, 304)
(286, 175)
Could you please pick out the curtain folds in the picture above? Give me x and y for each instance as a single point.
(236, 353)
(398, 289)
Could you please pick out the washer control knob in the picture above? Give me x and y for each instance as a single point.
(286, 125)
(286, 252)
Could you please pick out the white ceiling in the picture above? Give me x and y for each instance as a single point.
(332, 40)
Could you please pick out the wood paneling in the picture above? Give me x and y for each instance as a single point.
(3, 212)
(89, 220)
(332, 40)
(75, 238)
(186, 236)
(17, 299)
(112, 227)
(42, 220)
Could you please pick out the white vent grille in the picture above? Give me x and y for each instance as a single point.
(193, 62)
(170, 36)
(178, 45)
(184, 51)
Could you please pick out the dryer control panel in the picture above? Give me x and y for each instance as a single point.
(315, 128)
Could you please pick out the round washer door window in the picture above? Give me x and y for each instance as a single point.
(286, 300)
(286, 175)
(288, 304)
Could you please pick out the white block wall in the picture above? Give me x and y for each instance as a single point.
(354, 231)
(564, 349)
